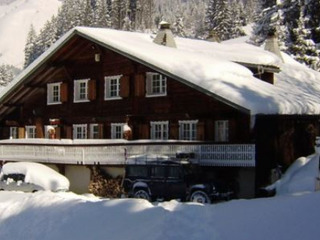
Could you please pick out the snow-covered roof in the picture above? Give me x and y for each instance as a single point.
(211, 68)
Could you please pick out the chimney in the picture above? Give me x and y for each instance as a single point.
(272, 44)
(165, 36)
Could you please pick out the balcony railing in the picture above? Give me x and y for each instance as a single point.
(111, 152)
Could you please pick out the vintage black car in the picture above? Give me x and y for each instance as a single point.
(171, 179)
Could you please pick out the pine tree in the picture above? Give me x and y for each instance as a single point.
(119, 11)
(313, 19)
(29, 49)
(178, 26)
(218, 19)
(302, 46)
(237, 22)
(102, 14)
(6, 74)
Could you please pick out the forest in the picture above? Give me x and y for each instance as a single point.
(295, 23)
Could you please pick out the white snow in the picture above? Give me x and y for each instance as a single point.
(15, 21)
(38, 174)
(50, 216)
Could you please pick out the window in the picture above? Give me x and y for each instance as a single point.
(158, 172)
(156, 84)
(30, 131)
(188, 130)
(13, 132)
(117, 130)
(81, 90)
(159, 130)
(79, 131)
(174, 172)
(94, 131)
(222, 131)
(112, 87)
(137, 171)
(53, 93)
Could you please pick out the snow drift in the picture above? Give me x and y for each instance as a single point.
(49, 216)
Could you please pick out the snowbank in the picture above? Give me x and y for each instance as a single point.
(302, 176)
(49, 216)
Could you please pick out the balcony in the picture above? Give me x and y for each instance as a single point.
(115, 152)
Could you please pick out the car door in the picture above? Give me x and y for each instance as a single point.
(175, 184)
(157, 181)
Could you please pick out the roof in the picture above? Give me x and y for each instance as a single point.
(208, 67)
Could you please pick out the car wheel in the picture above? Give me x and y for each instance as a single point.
(200, 197)
(141, 193)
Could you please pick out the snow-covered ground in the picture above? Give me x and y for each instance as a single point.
(15, 21)
(46, 215)
(293, 215)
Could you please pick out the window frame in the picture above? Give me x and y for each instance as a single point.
(77, 90)
(51, 93)
(115, 134)
(14, 132)
(163, 131)
(83, 132)
(30, 131)
(108, 88)
(94, 133)
(150, 85)
(189, 134)
(221, 133)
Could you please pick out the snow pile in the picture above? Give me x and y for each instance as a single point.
(15, 21)
(38, 174)
(302, 176)
(51, 216)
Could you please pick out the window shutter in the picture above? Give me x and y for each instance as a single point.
(174, 131)
(124, 86)
(149, 83)
(68, 130)
(21, 132)
(100, 126)
(39, 129)
(92, 93)
(200, 131)
(139, 82)
(64, 92)
(58, 132)
(144, 131)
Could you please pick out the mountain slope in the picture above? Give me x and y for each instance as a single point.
(15, 21)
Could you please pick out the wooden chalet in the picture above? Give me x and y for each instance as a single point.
(97, 98)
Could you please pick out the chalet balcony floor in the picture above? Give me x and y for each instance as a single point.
(115, 152)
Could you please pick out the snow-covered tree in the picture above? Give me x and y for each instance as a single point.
(178, 27)
(102, 14)
(312, 13)
(29, 50)
(236, 11)
(302, 46)
(218, 19)
(6, 74)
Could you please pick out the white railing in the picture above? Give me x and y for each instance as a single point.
(105, 153)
